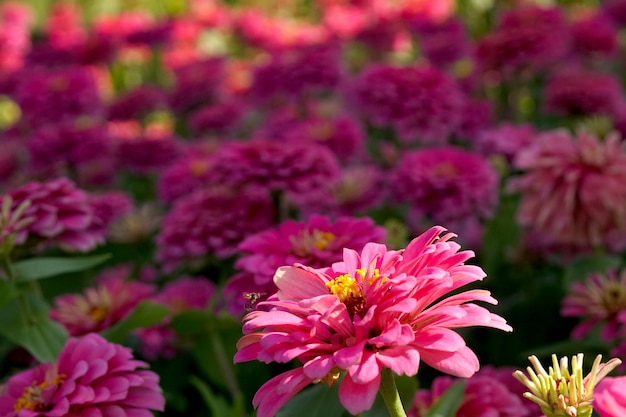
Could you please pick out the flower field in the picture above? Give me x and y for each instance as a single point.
(323, 208)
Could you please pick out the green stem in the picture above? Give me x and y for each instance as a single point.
(7, 266)
(224, 363)
(390, 395)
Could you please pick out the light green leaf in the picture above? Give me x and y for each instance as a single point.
(581, 267)
(40, 268)
(448, 404)
(25, 322)
(146, 314)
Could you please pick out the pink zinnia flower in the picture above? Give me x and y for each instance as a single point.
(137, 103)
(484, 396)
(580, 93)
(212, 222)
(572, 189)
(422, 103)
(183, 294)
(293, 167)
(600, 299)
(609, 397)
(62, 214)
(91, 377)
(442, 43)
(446, 183)
(377, 309)
(316, 242)
(102, 306)
(187, 174)
(505, 139)
(595, 35)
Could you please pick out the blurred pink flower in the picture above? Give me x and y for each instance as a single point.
(316, 242)
(598, 300)
(377, 309)
(595, 35)
(91, 377)
(572, 190)
(185, 175)
(580, 93)
(484, 396)
(62, 214)
(445, 183)
(422, 103)
(100, 307)
(505, 139)
(609, 397)
(212, 221)
(110, 206)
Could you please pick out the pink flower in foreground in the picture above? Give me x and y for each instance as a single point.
(573, 195)
(102, 306)
(377, 309)
(316, 242)
(91, 377)
(484, 395)
(598, 300)
(609, 397)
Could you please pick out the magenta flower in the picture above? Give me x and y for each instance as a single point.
(316, 242)
(505, 139)
(572, 190)
(137, 103)
(600, 299)
(102, 306)
(609, 397)
(595, 35)
(91, 377)
(198, 225)
(185, 175)
(110, 206)
(446, 183)
(576, 93)
(375, 310)
(422, 103)
(62, 214)
(292, 167)
(484, 396)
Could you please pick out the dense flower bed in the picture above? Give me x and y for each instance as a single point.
(304, 208)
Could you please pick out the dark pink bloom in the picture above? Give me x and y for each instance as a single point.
(91, 377)
(216, 118)
(572, 190)
(615, 10)
(446, 183)
(67, 145)
(53, 95)
(423, 104)
(477, 115)
(576, 93)
(609, 397)
(484, 396)
(316, 242)
(62, 214)
(110, 206)
(183, 294)
(137, 103)
(186, 175)
(598, 300)
(526, 37)
(197, 83)
(102, 306)
(212, 221)
(146, 153)
(506, 139)
(376, 309)
(595, 35)
(294, 167)
(442, 43)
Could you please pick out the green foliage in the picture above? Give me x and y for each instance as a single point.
(41, 268)
(146, 314)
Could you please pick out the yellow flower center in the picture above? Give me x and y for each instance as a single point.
(345, 287)
(303, 244)
(32, 399)
(446, 169)
(98, 314)
(613, 298)
(198, 167)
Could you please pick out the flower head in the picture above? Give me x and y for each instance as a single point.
(102, 306)
(572, 190)
(561, 392)
(377, 309)
(316, 242)
(609, 397)
(90, 377)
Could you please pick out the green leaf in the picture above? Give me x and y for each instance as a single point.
(25, 322)
(316, 401)
(216, 404)
(448, 404)
(40, 268)
(146, 314)
(7, 292)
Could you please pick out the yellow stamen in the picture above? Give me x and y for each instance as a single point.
(345, 287)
